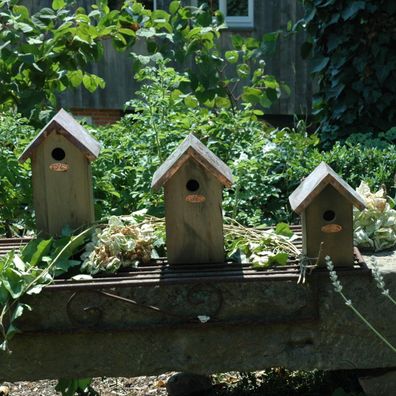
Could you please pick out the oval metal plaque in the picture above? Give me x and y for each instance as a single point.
(195, 198)
(331, 228)
(59, 167)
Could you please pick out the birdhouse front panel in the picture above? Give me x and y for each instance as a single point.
(194, 221)
(62, 187)
(329, 219)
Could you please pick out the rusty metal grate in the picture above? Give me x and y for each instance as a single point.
(159, 272)
(9, 244)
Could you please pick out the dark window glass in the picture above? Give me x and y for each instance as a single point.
(117, 4)
(237, 8)
(212, 4)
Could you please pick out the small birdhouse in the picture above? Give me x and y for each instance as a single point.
(193, 179)
(325, 201)
(61, 174)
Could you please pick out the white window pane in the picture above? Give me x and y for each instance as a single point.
(237, 7)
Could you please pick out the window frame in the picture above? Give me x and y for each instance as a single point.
(238, 21)
(235, 22)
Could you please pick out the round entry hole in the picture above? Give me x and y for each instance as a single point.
(192, 185)
(329, 215)
(58, 154)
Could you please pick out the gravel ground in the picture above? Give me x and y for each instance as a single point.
(138, 386)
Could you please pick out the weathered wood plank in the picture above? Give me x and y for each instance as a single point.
(65, 124)
(192, 148)
(269, 15)
(61, 198)
(314, 184)
(194, 231)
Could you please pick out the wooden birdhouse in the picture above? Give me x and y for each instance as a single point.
(193, 179)
(325, 202)
(61, 174)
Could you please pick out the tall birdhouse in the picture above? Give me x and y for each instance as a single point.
(193, 179)
(325, 202)
(61, 174)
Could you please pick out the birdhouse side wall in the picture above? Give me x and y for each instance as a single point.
(62, 188)
(194, 221)
(329, 219)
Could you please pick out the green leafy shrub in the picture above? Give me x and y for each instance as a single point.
(15, 185)
(268, 163)
(355, 65)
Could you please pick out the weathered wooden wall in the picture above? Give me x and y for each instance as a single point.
(270, 15)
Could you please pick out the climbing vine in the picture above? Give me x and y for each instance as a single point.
(354, 63)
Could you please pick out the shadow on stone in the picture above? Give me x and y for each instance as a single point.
(188, 384)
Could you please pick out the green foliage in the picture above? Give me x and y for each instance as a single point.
(355, 65)
(192, 37)
(15, 183)
(26, 274)
(375, 226)
(43, 54)
(71, 387)
(267, 163)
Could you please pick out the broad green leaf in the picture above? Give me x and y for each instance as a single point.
(72, 246)
(278, 259)
(243, 70)
(42, 249)
(352, 9)
(191, 101)
(19, 263)
(58, 4)
(127, 32)
(75, 77)
(319, 64)
(26, 28)
(21, 10)
(36, 289)
(232, 56)
(222, 102)
(3, 294)
(11, 331)
(251, 95)
(18, 311)
(89, 83)
(30, 249)
(237, 41)
(283, 229)
(174, 7)
(14, 283)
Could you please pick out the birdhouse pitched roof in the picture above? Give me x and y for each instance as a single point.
(192, 148)
(72, 131)
(315, 183)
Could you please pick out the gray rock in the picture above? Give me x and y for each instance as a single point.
(188, 384)
(383, 385)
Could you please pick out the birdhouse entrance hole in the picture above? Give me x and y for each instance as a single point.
(58, 154)
(329, 215)
(192, 185)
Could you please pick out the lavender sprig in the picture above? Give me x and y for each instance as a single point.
(379, 280)
(338, 288)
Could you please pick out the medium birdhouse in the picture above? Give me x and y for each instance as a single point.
(61, 174)
(193, 179)
(325, 201)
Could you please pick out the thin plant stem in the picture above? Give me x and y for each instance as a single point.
(366, 322)
(338, 288)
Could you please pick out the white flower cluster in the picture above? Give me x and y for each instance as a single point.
(117, 245)
(375, 226)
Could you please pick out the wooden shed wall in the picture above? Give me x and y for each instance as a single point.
(269, 15)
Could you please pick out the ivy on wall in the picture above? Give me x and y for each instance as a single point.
(354, 59)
